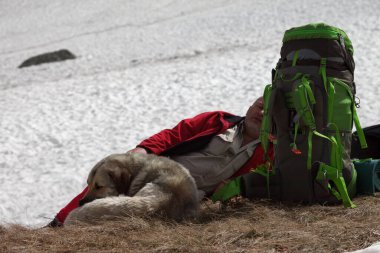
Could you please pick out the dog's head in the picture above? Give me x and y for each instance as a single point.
(109, 177)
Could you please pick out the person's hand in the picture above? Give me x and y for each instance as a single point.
(138, 150)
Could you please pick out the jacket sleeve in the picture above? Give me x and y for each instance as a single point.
(187, 129)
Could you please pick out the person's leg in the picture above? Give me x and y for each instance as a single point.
(62, 214)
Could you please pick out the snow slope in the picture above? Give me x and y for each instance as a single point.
(141, 67)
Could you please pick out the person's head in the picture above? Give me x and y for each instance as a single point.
(253, 118)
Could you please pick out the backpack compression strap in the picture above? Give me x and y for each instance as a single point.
(265, 124)
(333, 171)
(303, 100)
(359, 129)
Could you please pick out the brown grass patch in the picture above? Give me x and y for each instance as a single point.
(257, 226)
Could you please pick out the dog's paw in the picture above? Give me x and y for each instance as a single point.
(93, 211)
(72, 218)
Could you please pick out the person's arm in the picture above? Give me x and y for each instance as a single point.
(187, 129)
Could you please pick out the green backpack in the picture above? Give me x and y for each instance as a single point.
(309, 111)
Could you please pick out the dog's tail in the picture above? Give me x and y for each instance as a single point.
(184, 202)
(177, 201)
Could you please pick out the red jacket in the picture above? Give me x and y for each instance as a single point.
(194, 133)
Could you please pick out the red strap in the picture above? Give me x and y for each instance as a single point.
(74, 203)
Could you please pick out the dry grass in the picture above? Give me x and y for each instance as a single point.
(258, 226)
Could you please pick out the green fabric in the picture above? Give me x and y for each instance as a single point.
(327, 172)
(310, 149)
(336, 157)
(359, 130)
(337, 163)
(264, 171)
(233, 187)
(339, 150)
(351, 187)
(229, 190)
(331, 173)
(265, 125)
(318, 31)
(342, 104)
(334, 170)
(309, 91)
(322, 72)
(295, 57)
(330, 103)
(293, 145)
(303, 100)
(295, 77)
(344, 109)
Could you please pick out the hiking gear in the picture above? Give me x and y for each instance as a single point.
(368, 181)
(372, 135)
(309, 110)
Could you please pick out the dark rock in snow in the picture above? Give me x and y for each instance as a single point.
(60, 55)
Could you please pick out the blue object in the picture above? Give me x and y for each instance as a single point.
(368, 176)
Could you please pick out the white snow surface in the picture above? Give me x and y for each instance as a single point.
(141, 67)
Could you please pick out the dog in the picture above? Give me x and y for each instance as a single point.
(128, 184)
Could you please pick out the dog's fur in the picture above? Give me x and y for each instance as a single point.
(137, 184)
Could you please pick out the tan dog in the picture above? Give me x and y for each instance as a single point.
(137, 184)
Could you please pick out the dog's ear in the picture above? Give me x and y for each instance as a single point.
(91, 176)
(93, 171)
(121, 181)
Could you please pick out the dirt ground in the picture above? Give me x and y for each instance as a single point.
(245, 226)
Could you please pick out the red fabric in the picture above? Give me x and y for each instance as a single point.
(188, 129)
(61, 216)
